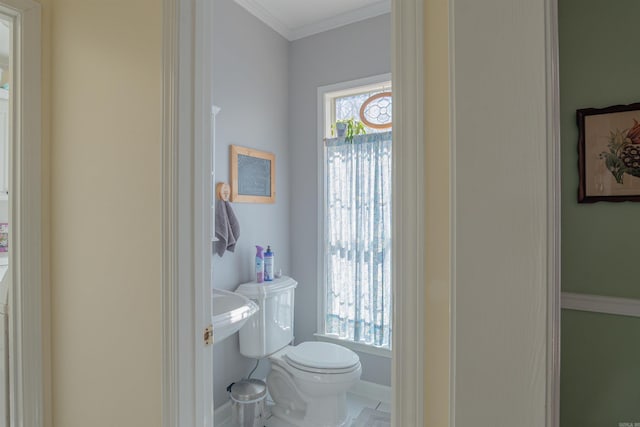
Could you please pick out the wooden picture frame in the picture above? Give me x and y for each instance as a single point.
(253, 175)
(609, 154)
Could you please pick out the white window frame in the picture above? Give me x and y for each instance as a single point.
(330, 96)
(326, 116)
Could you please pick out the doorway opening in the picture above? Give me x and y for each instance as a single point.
(271, 93)
(186, 227)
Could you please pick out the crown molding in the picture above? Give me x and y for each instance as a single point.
(361, 14)
(291, 34)
(257, 10)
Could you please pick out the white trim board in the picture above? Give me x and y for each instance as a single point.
(381, 393)
(25, 337)
(187, 394)
(601, 304)
(502, 290)
(554, 214)
(222, 415)
(291, 34)
(408, 251)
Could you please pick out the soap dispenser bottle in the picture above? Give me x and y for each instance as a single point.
(268, 265)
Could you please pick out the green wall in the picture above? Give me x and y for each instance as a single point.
(600, 378)
(599, 67)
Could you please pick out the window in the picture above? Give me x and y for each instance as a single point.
(356, 253)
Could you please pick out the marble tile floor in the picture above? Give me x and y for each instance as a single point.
(355, 405)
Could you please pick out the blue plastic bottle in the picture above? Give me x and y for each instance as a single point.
(268, 265)
(259, 264)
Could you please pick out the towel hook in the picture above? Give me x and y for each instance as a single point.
(223, 191)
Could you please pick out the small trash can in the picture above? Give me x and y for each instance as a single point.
(247, 403)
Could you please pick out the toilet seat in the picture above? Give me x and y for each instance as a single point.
(308, 384)
(322, 358)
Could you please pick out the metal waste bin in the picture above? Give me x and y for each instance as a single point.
(247, 403)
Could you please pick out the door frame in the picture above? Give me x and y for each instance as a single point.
(408, 222)
(187, 362)
(25, 216)
(186, 399)
(554, 213)
(545, 370)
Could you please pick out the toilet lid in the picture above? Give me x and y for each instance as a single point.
(322, 355)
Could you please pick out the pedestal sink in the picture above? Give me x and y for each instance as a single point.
(230, 312)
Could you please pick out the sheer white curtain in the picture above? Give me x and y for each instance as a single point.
(358, 238)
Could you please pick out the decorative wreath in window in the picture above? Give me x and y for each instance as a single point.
(376, 111)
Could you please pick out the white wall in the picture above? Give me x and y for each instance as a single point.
(250, 84)
(500, 209)
(355, 51)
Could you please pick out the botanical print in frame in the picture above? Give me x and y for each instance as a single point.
(609, 154)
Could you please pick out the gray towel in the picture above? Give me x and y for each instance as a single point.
(227, 228)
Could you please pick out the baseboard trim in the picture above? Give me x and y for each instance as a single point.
(373, 391)
(601, 304)
(222, 415)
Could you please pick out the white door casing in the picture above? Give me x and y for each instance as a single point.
(407, 367)
(187, 197)
(25, 217)
(554, 205)
(505, 213)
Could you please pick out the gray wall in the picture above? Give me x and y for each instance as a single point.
(250, 86)
(355, 51)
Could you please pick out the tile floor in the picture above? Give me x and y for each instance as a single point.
(355, 405)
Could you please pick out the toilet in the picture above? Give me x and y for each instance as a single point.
(308, 382)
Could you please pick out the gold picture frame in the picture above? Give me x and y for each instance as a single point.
(253, 175)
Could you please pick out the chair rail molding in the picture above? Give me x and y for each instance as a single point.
(601, 304)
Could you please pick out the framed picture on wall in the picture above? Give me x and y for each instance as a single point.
(609, 154)
(253, 175)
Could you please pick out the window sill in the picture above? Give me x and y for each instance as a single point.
(355, 346)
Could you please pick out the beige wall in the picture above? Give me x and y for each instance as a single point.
(105, 185)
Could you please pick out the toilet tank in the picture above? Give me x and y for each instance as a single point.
(271, 328)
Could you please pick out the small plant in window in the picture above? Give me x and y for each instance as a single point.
(348, 129)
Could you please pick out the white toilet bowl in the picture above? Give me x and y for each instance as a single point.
(308, 384)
